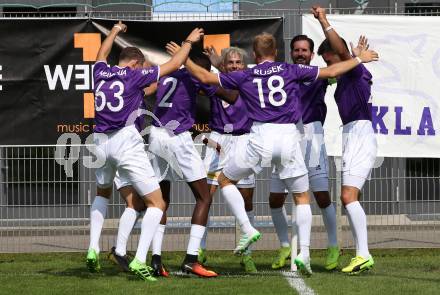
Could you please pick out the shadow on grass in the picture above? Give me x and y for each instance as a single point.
(83, 273)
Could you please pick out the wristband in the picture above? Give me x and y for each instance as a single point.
(329, 28)
(118, 26)
(187, 41)
(358, 59)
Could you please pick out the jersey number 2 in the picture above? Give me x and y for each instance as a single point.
(164, 102)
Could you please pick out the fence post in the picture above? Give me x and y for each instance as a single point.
(338, 176)
(237, 232)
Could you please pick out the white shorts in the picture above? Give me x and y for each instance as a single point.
(270, 145)
(359, 149)
(315, 157)
(174, 156)
(123, 151)
(215, 162)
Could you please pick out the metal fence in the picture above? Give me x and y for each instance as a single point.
(41, 209)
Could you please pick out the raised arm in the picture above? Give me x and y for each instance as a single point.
(213, 56)
(340, 68)
(230, 96)
(362, 45)
(330, 33)
(200, 73)
(107, 45)
(180, 56)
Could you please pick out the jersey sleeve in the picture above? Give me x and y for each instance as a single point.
(144, 77)
(98, 67)
(231, 80)
(305, 73)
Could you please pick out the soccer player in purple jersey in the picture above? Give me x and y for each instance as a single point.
(119, 146)
(176, 157)
(359, 147)
(270, 91)
(314, 111)
(134, 204)
(230, 126)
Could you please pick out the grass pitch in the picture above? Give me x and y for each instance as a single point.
(395, 272)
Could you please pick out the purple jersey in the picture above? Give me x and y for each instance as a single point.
(229, 119)
(353, 93)
(118, 93)
(271, 90)
(175, 105)
(312, 101)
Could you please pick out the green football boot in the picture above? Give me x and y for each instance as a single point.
(332, 260)
(281, 258)
(358, 265)
(92, 261)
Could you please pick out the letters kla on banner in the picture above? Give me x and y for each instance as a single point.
(405, 92)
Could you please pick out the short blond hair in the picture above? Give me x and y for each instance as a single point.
(265, 45)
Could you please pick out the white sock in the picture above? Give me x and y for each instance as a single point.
(251, 217)
(126, 223)
(353, 232)
(195, 237)
(150, 222)
(97, 216)
(304, 223)
(235, 201)
(205, 235)
(279, 219)
(359, 222)
(157, 240)
(329, 218)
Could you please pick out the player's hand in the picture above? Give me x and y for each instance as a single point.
(195, 35)
(120, 27)
(210, 143)
(318, 12)
(362, 45)
(213, 56)
(172, 48)
(368, 56)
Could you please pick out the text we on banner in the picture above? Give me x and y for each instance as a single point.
(405, 91)
(46, 85)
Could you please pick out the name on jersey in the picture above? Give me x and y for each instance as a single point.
(301, 66)
(121, 72)
(271, 70)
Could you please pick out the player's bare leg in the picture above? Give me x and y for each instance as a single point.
(198, 228)
(202, 258)
(98, 212)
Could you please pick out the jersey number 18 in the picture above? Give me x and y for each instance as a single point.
(272, 91)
